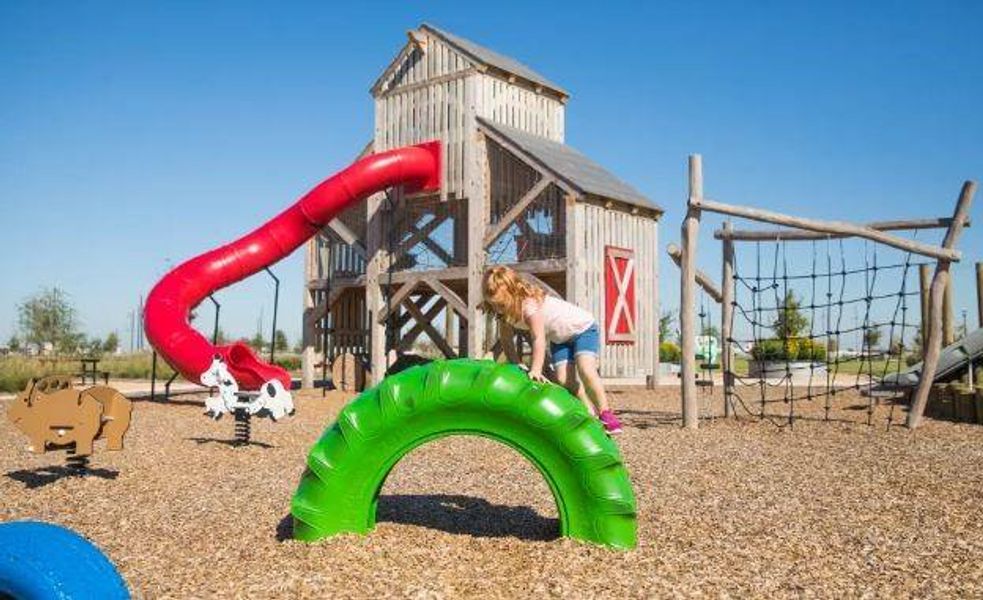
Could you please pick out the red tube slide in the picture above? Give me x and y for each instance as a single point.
(166, 312)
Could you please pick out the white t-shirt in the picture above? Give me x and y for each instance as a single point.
(561, 319)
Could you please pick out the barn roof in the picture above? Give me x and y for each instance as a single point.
(568, 164)
(491, 58)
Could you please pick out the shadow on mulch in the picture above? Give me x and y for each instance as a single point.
(467, 515)
(228, 442)
(455, 514)
(647, 419)
(42, 476)
(172, 402)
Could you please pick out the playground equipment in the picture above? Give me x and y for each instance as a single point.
(172, 299)
(582, 465)
(41, 561)
(955, 360)
(272, 400)
(52, 413)
(395, 268)
(772, 302)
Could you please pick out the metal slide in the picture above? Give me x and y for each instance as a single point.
(953, 361)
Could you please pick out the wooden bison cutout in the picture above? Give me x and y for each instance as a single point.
(52, 413)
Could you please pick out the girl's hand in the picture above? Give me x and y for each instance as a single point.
(537, 376)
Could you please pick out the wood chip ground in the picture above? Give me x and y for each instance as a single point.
(738, 508)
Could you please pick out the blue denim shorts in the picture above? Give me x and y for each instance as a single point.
(586, 342)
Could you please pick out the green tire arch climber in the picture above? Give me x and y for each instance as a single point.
(347, 467)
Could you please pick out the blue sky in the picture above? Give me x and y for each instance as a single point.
(135, 135)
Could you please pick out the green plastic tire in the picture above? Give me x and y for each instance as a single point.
(346, 468)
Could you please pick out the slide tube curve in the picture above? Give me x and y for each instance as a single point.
(171, 301)
(347, 467)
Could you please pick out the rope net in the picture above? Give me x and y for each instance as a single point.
(817, 325)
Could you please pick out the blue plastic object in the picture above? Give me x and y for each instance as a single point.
(44, 561)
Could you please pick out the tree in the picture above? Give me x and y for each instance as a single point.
(257, 342)
(111, 343)
(872, 337)
(896, 347)
(710, 330)
(49, 318)
(280, 342)
(665, 324)
(790, 322)
(13, 344)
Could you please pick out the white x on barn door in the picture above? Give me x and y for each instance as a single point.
(619, 298)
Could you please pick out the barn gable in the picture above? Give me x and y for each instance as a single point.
(431, 53)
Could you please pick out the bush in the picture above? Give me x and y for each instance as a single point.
(669, 352)
(803, 349)
(288, 362)
(15, 371)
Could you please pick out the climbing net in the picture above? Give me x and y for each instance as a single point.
(809, 324)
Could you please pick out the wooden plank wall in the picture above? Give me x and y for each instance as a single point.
(410, 111)
(435, 94)
(518, 107)
(613, 227)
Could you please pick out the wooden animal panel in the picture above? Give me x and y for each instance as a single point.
(69, 416)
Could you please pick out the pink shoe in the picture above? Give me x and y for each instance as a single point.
(611, 423)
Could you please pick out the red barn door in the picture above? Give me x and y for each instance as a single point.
(620, 307)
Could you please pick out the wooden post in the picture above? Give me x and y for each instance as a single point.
(478, 206)
(948, 315)
(727, 320)
(657, 337)
(307, 331)
(375, 269)
(979, 294)
(931, 359)
(687, 296)
(924, 280)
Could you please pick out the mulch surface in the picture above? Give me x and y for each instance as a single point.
(744, 507)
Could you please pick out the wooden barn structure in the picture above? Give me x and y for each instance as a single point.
(395, 270)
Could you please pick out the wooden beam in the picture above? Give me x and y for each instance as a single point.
(402, 89)
(432, 332)
(948, 315)
(346, 235)
(727, 320)
(924, 283)
(315, 313)
(455, 302)
(397, 298)
(701, 278)
(834, 227)
(930, 361)
(533, 162)
(530, 278)
(687, 298)
(434, 247)
(417, 234)
(404, 317)
(979, 294)
(517, 209)
(307, 332)
(756, 235)
(406, 341)
(547, 265)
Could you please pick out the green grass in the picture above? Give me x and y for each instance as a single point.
(15, 371)
(850, 367)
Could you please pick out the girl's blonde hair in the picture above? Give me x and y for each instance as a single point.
(505, 292)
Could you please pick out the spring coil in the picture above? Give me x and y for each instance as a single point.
(243, 427)
(77, 463)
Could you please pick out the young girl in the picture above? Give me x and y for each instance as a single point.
(572, 333)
